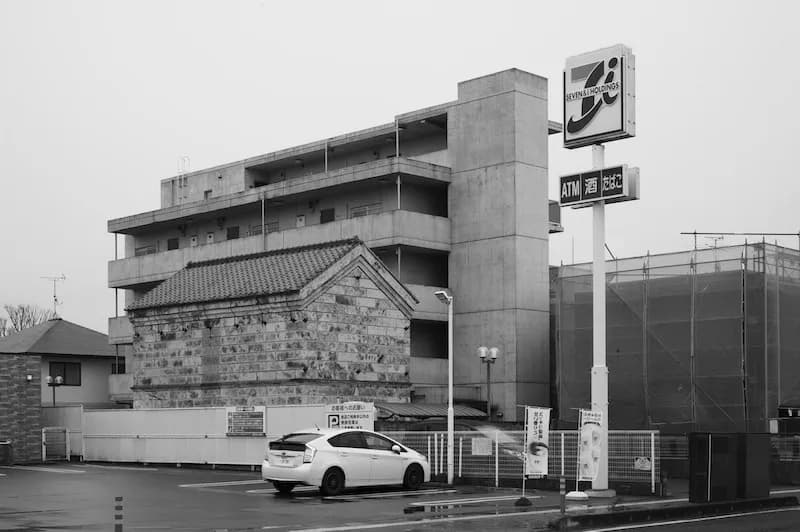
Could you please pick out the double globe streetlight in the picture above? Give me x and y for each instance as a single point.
(488, 355)
(54, 383)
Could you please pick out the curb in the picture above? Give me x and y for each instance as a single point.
(656, 514)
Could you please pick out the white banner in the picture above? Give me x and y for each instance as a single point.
(590, 432)
(537, 436)
(351, 415)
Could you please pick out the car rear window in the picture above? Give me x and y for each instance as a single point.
(293, 442)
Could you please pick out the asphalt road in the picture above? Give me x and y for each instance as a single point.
(82, 497)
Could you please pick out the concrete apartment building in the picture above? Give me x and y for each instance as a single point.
(450, 197)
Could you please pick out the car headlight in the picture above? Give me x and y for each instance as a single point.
(309, 455)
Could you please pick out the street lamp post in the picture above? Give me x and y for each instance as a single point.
(54, 383)
(447, 299)
(488, 355)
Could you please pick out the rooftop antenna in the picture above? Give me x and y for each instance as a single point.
(56, 302)
(715, 239)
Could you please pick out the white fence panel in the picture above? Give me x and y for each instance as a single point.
(70, 417)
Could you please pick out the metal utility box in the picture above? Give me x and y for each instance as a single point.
(728, 466)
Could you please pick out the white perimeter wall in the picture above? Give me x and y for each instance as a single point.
(186, 435)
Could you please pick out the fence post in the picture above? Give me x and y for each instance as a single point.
(562, 453)
(436, 452)
(442, 456)
(652, 462)
(66, 443)
(497, 459)
(44, 447)
(460, 461)
(429, 448)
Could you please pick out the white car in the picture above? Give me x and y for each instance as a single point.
(335, 458)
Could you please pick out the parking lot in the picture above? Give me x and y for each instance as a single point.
(81, 496)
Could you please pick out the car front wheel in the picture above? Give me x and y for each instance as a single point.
(332, 482)
(283, 487)
(413, 477)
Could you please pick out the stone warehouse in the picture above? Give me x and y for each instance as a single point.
(313, 324)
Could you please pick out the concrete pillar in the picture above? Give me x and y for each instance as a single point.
(497, 139)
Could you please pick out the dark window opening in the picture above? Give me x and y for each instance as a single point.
(206, 194)
(233, 232)
(172, 243)
(327, 215)
(428, 339)
(69, 371)
(118, 367)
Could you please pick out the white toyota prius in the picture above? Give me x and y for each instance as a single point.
(335, 458)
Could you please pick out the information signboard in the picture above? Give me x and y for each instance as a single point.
(537, 438)
(246, 420)
(351, 415)
(612, 185)
(590, 443)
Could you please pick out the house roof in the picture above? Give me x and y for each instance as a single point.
(57, 337)
(262, 274)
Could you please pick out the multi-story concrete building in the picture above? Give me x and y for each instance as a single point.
(450, 197)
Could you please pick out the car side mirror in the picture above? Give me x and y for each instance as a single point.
(396, 449)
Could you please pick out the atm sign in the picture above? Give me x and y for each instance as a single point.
(606, 184)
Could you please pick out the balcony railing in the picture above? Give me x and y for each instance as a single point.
(396, 227)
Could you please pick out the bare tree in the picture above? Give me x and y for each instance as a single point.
(5, 330)
(25, 316)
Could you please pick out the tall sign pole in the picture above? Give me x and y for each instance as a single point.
(599, 106)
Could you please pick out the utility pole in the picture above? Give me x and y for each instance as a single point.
(56, 302)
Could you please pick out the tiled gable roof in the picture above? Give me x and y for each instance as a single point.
(270, 273)
(57, 337)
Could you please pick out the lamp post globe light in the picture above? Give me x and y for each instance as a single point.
(447, 299)
(54, 383)
(488, 355)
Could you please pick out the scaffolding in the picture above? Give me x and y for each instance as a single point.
(705, 340)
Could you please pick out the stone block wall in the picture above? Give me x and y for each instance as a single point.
(349, 343)
(21, 406)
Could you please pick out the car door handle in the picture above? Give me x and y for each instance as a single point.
(344, 454)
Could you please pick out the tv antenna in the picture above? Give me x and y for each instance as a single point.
(56, 302)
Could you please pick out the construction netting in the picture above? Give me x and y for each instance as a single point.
(705, 340)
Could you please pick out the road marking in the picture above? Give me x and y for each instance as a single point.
(391, 494)
(473, 500)
(215, 484)
(778, 492)
(124, 468)
(273, 490)
(693, 520)
(426, 521)
(44, 469)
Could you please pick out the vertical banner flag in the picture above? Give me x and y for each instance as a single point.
(537, 436)
(590, 431)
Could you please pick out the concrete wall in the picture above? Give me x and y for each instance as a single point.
(499, 225)
(20, 406)
(350, 343)
(193, 186)
(94, 381)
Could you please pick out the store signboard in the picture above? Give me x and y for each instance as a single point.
(613, 184)
(245, 420)
(599, 97)
(351, 415)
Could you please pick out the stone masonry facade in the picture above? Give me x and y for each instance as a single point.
(21, 406)
(350, 342)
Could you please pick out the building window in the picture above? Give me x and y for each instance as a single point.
(233, 232)
(327, 215)
(118, 367)
(69, 371)
(365, 210)
(144, 250)
(210, 238)
(172, 243)
(206, 194)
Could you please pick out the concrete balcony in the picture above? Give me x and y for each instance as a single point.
(284, 189)
(396, 227)
(120, 331)
(119, 387)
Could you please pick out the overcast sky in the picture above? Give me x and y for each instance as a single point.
(99, 100)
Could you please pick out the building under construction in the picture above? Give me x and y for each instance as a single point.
(705, 340)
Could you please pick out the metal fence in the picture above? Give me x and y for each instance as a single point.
(55, 443)
(633, 456)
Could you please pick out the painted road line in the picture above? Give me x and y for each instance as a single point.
(304, 489)
(44, 469)
(123, 468)
(389, 494)
(427, 521)
(778, 492)
(473, 500)
(216, 484)
(693, 520)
